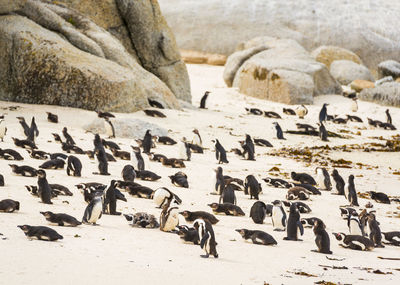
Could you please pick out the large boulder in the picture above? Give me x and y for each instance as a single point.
(389, 68)
(328, 54)
(367, 29)
(84, 40)
(281, 71)
(358, 85)
(385, 94)
(346, 71)
(7, 6)
(39, 66)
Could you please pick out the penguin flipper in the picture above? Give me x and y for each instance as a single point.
(284, 221)
(204, 239)
(300, 225)
(217, 154)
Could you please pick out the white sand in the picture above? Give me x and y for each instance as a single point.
(118, 254)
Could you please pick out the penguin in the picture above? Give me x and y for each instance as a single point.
(197, 138)
(294, 226)
(44, 190)
(128, 173)
(163, 196)
(195, 148)
(137, 159)
(375, 231)
(147, 142)
(67, 136)
(24, 126)
(388, 117)
(278, 216)
(279, 132)
(110, 200)
(303, 178)
(262, 142)
(354, 105)
(271, 114)
(355, 242)
(345, 212)
(323, 113)
(322, 132)
(155, 104)
(173, 162)
(338, 182)
(61, 219)
(301, 111)
(219, 181)
(192, 216)
(71, 148)
(188, 235)
(147, 175)
(379, 197)
(321, 237)
(3, 129)
(142, 220)
(228, 195)
(309, 222)
(165, 140)
(23, 170)
(57, 138)
(257, 237)
(227, 209)
(393, 238)
(24, 143)
(154, 113)
(156, 156)
(206, 237)
(252, 184)
(169, 218)
(9, 206)
(220, 152)
(337, 120)
(105, 115)
(124, 155)
(184, 151)
(354, 119)
(297, 193)
(248, 148)
(38, 154)
(74, 166)
(350, 192)
(354, 225)
(289, 111)
(303, 207)
(53, 164)
(60, 190)
(258, 212)
(102, 162)
(33, 130)
(179, 179)
(277, 182)
(93, 211)
(109, 127)
(40, 233)
(323, 178)
(10, 154)
(52, 118)
(1, 180)
(254, 111)
(204, 100)
(140, 191)
(110, 144)
(306, 128)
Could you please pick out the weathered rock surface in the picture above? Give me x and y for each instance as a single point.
(385, 94)
(389, 68)
(126, 128)
(198, 57)
(155, 44)
(7, 6)
(87, 63)
(358, 85)
(328, 54)
(39, 66)
(368, 28)
(281, 71)
(346, 71)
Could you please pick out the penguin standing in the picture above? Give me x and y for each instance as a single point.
(321, 237)
(220, 181)
(252, 184)
(24, 126)
(100, 153)
(94, 210)
(3, 129)
(354, 105)
(323, 113)
(33, 130)
(206, 237)
(278, 216)
(109, 127)
(323, 179)
(388, 117)
(184, 151)
(258, 212)
(203, 100)
(169, 218)
(147, 142)
(354, 225)
(163, 196)
(220, 153)
(301, 111)
(74, 166)
(197, 138)
(128, 173)
(228, 195)
(137, 158)
(375, 231)
(110, 200)
(248, 148)
(338, 182)
(350, 192)
(67, 136)
(279, 132)
(44, 190)
(322, 132)
(294, 225)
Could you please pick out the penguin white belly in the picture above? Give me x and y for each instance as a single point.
(320, 180)
(207, 246)
(277, 217)
(360, 244)
(213, 182)
(196, 140)
(354, 228)
(134, 160)
(146, 162)
(2, 130)
(159, 196)
(354, 106)
(172, 221)
(95, 214)
(181, 151)
(346, 190)
(44, 238)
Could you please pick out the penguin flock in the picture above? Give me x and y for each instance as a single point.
(365, 232)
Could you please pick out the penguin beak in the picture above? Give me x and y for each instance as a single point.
(42, 213)
(238, 231)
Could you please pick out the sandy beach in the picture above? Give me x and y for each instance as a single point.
(116, 253)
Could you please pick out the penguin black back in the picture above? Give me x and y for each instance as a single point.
(44, 190)
(203, 100)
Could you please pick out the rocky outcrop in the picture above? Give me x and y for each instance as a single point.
(279, 70)
(389, 68)
(198, 57)
(358, 85)
(346, 71)
(7, 6)
(368, 28)
(52, 54)
(328, 54)
(385, 94)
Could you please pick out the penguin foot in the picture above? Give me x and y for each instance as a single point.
(205, 255)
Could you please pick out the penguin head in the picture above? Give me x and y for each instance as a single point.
(213, 205)
(185, 214)
(47, 214)
(277, 203)
(128, 217)
(196, 131)
(242, 232)
(293, 209)
(41, 173)
(351, 177)
(339, 236)
(335, 172)
(24, 228)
